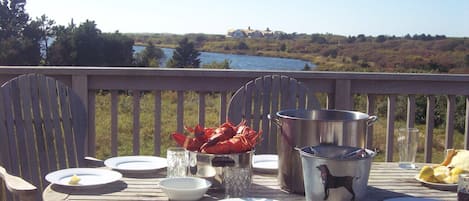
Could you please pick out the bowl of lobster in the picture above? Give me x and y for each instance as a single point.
(212, 151)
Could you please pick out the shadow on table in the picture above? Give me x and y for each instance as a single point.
(374, 192)
(92, 190)
(146, 175)
(260, 191)
(256, 191)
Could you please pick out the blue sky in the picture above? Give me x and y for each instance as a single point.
(343, 17)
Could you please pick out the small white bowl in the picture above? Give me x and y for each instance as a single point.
(185, 188)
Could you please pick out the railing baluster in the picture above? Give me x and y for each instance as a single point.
(114, 122)
(91, 145)
(343, 95)
(429, 129)
(180, 111)
(223, 105)
(466, 125)
(450, 110)
(370, 109)
(330, 102)
(411, 111)
(157, 120)
(390, 128)
(136, 120)
(202, 108)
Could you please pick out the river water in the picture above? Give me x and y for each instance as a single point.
(242, 61)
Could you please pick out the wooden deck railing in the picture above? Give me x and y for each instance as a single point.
(340, 88)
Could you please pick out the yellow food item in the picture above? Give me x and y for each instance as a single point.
(451, 179)
(449, 155)
(454, 175)
(457, 171)
(426, 173)
(441, 172)
(74, 180)
(460, 160)
(455, 163)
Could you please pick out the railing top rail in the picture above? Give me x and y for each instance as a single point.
(232, 73)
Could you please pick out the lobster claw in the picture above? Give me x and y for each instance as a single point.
(191, 144)
(179, 138)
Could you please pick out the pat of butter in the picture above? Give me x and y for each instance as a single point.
(74, 180)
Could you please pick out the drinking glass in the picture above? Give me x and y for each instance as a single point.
(178, 161)
(407, 142)
(463, 187)
(237, 181)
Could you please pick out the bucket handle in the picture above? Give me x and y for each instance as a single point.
(306, 153)
(371, 120)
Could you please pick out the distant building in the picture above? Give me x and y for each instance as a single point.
(253, 33)
(237, 33)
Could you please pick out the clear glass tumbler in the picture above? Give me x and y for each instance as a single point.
(407, 142)
(237, 181)
(463, 187)
(178, 162)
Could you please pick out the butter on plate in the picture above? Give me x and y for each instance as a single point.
(74, 180)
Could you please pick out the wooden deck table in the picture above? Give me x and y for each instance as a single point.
(386, 181)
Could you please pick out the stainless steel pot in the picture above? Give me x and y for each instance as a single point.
(338, 173)
(213, 166)
(300, 128)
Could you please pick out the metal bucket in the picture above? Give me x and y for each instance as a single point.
(338, 173)
(212, 166)
(299, 128)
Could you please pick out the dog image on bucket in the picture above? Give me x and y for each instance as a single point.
(331, 181)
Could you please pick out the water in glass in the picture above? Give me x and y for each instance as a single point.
(178, 161)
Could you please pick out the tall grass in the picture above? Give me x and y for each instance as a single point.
(147, 108)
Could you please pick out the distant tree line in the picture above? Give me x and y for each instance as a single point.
(24, 41)
(19, 37)
(360, 38)
(85, 45)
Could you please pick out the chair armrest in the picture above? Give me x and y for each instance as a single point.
(93, 162)
(18, 186)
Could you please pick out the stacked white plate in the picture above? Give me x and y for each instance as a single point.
(265, 163)
(136, 164)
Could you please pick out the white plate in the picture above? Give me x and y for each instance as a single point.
(136, 164)
(89, 177)
(248, 199)
(410, 199)
(438, 186)
(266, 163)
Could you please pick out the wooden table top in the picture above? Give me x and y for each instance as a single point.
(386, 180)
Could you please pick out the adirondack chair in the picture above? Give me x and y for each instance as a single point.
(268, 95)
(43, 127)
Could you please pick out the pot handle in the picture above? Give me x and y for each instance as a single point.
(274, 120)
(371, 120)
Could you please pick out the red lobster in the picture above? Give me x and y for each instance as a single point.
(193, 144)
(225, 139)
(244, 140)
(222, 133)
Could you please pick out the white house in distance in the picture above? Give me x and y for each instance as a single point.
(253, 33)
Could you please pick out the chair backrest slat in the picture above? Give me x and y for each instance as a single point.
(47, 123)
(268, 95)
(56, 123)
(42, 128)
(28, 129)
